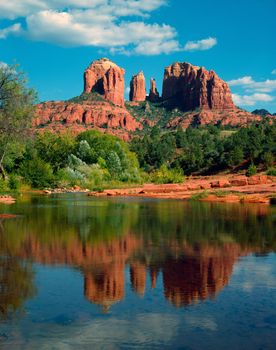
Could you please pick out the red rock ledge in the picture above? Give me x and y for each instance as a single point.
(254, 189)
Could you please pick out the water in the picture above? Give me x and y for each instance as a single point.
(83, 273)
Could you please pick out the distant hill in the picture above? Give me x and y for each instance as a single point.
(262, 112)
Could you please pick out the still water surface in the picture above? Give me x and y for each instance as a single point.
(84, 273)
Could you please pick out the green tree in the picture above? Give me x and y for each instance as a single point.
(16, 111)
(235, 156)
(54, 148)
(114, 164)
(37, 173)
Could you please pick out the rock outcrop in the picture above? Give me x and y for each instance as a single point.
(137, 88)
(191, 96)
(190, 87)
(153, 94)
(107, 79)
(99, 115)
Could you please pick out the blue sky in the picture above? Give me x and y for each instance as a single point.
(55, 40)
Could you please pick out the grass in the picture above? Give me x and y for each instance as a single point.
(221, 193)
(198, 196)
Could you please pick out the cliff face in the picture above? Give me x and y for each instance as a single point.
(154, 94)
(190, 87)
(99, 115)
(107, 79)
(138, 88)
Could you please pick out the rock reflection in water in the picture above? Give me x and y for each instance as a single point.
(192, 249)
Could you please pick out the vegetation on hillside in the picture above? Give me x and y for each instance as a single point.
(207, 149)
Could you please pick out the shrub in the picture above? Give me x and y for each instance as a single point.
(13, 182)
(70, 177)
(164, 175)
(268, 159)
(271, 171)
(252, 170)
(3, 186)
(37, 173)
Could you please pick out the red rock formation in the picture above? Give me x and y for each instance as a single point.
(154, 94)
(100, 115)
(185, 86)
(138, 88)
(106, 78)
(191, 87)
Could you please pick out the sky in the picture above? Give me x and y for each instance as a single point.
(53, 41)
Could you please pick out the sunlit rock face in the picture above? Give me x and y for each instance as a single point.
(100, 115)
(190, 87)
(107, 79)
(138, 88)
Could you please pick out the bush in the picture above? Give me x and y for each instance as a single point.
(13, 182)
(37, 173)
(164, 175)
(268, 159)
(3, 186)
(70, 177)
(271, 172)
(252, 170)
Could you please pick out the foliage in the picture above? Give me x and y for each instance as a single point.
(164, 175)
(199, 196)
(252, 170)
(203, 149)
(93, 96)
(16, 111)
(14, 182)
(54, 148)
(37, 173)
(271, 171)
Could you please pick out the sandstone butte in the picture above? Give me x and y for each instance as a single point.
(106, 78)
(190, 87)
(197, 96)
(138, 88)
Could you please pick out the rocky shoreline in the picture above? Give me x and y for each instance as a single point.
(7, 199)
(254, 189)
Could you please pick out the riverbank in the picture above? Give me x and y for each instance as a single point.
(7, 199)
(254, 189)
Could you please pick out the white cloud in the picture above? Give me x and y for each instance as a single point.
(107, 24)
(13, 29)
(251, 100)
(204, 44)
(87, 27)
(249, 83)
(21, 8)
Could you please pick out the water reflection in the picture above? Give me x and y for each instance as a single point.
(190, 247)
